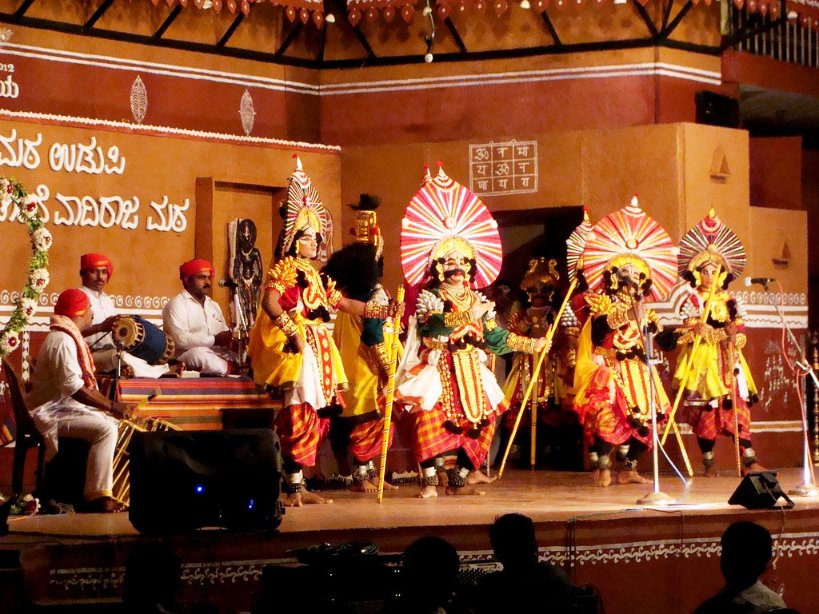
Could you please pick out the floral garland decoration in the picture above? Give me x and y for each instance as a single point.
(13, 193)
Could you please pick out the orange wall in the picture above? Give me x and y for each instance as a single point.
(776, 172)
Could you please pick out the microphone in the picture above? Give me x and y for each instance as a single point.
(226, 283)
(762, 281)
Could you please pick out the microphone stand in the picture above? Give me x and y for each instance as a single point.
(656, 496)
(808, 487)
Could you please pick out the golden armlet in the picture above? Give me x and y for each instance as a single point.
(333, 297)
(457, 318)
(490, 324)
(374, 310)
(686, 337)
(715, 335)
(520, 344)
(286, 324)
(381, 355)
(617, 317)
(741, 340)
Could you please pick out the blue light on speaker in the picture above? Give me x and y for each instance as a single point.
(251, 504)
(199, 489)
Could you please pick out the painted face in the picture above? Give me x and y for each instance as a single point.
(198, 285)
(95, 279)
(456, 266)
(308, 244)
(539, 295)
(630, 272)
(707, 274)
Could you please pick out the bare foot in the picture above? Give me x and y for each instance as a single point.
(387, 485)
(365, 486)
(427, 492)
(752, 467)
(463, 490)
(596, 476)
(305, 497)
(631, 477)
(604, 478)
(478, 477)
(710, 472)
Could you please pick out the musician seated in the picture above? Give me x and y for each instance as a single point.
(96, 271)
(196, 324)
(67, 403)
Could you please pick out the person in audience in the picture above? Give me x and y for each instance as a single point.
(747, 551)
(152, 578)
(524, 584)
(95, 271)
(65, 400)
(429, 579)
(196, 324)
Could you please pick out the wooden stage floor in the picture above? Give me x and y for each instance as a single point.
(666, 558)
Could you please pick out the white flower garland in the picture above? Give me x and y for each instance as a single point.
(12, 192)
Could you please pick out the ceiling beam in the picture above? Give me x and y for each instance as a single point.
(670, 27)
(229, 32)
(21, 10)
(288, 40)
(455, 35)
(652, 29)
(551, 27)
(160, 32)
(101, 10)
(364, 42)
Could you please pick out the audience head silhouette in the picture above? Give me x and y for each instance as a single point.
(513, 541)
(430, 571)
(746, 551)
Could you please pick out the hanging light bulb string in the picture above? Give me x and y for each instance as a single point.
(429, 38)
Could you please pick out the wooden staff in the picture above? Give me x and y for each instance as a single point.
(690, 363)
(533, 430)
(543, 353)
(732, 357)
(389, 395)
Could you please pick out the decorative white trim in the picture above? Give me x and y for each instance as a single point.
(88, 122)
(646, 69)
(154, 68)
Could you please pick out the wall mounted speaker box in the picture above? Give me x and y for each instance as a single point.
(187, 480)
(759, 490)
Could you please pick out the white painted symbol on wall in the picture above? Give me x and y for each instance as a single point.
(247, 113)
(503, 168)
(139, 100)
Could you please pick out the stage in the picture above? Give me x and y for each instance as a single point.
(641, 559)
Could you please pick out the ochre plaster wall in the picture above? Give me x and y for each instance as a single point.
(776, 172)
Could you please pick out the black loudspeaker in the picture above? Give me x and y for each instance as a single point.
(186, 480)
(759, 490)
(716, 110)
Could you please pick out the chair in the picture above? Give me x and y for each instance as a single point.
(27, 435)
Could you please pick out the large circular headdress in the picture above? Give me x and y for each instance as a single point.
(631, 236)
(575, 245)
(711, 241)
(444, 215)
(304, 208)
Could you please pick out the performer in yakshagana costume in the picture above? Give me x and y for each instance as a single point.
(628, 258)
(450, 239)
(291, 350)
(711, 256)
(363, 344)
(540, 285)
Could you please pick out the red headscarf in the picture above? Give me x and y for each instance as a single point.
(196, 266)
(96, 260)
(72, 303)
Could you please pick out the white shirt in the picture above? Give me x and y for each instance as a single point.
(103, 308)
(57, 376)
(192, 324)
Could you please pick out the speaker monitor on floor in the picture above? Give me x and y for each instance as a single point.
(759, 490)
(186, 480)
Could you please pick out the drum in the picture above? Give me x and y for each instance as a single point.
(121, 490)
(140, 338)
